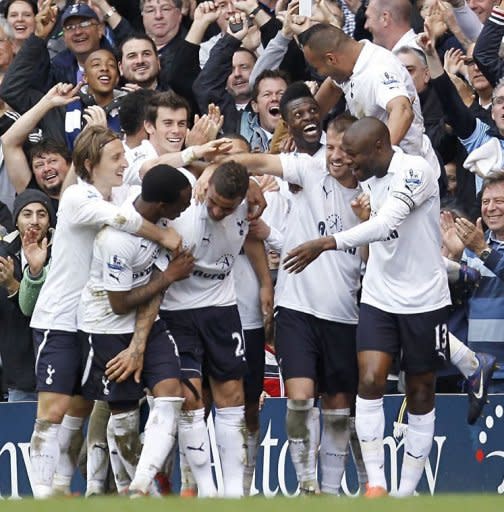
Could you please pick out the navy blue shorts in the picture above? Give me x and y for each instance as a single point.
(58, 365)
(254, 351)
(317, 349)
(421, 339)
(211, 337)
(161, 362)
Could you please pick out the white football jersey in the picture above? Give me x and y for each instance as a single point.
(82, 213)
(328, 287)
(215, 246)
(378, 77)
(145, 151)
(405, 271)
(121, 262)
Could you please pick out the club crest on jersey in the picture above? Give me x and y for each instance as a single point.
(413, 179)
(225, 261)
(50, 372)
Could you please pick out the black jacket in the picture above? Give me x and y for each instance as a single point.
(16, 344)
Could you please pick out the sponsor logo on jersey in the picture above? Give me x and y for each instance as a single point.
(209, 275)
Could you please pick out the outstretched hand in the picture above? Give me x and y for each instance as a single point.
(301, 256)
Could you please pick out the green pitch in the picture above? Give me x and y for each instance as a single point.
(441, 503)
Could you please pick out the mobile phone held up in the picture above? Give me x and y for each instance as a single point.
(236, 27)
(305, 8)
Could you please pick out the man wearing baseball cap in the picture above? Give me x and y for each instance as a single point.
(33, 73)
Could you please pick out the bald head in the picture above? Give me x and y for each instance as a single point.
(388, 21)
(323, 38)
(368, 131)
(367, 143)
(329, 51)
(400, 10)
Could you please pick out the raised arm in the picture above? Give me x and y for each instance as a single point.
(18, 169)
(460, 118)
(327, 96)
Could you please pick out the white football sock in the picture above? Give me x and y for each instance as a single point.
(314, 426)
(97, 449)
(70, 440)
(187, 482)
(230, 435)
(126, 426)
(299, 422)
(160, 433)
(252, 447)
(360, 467)
(462, 356)
(121, 476)
(334, 448)
(194, 444)
(417, 446)
(44, 453)
(370, 427)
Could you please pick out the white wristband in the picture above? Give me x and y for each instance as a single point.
(188, 156)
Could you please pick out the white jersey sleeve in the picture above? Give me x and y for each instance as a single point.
(116, 256)
(388, 85)
(294, 167)
(88, 208)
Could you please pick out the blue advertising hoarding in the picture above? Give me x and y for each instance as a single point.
(463, 458)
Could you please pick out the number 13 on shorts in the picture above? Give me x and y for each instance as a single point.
(442, 346)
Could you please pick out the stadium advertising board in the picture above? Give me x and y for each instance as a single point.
(463, 458)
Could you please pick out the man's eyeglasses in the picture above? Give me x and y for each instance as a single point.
(82, 25)
(498, 100)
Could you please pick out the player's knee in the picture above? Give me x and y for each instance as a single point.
(228, 394)
(167, 388)
(53, 412)
(371, 385)
(80, 407)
